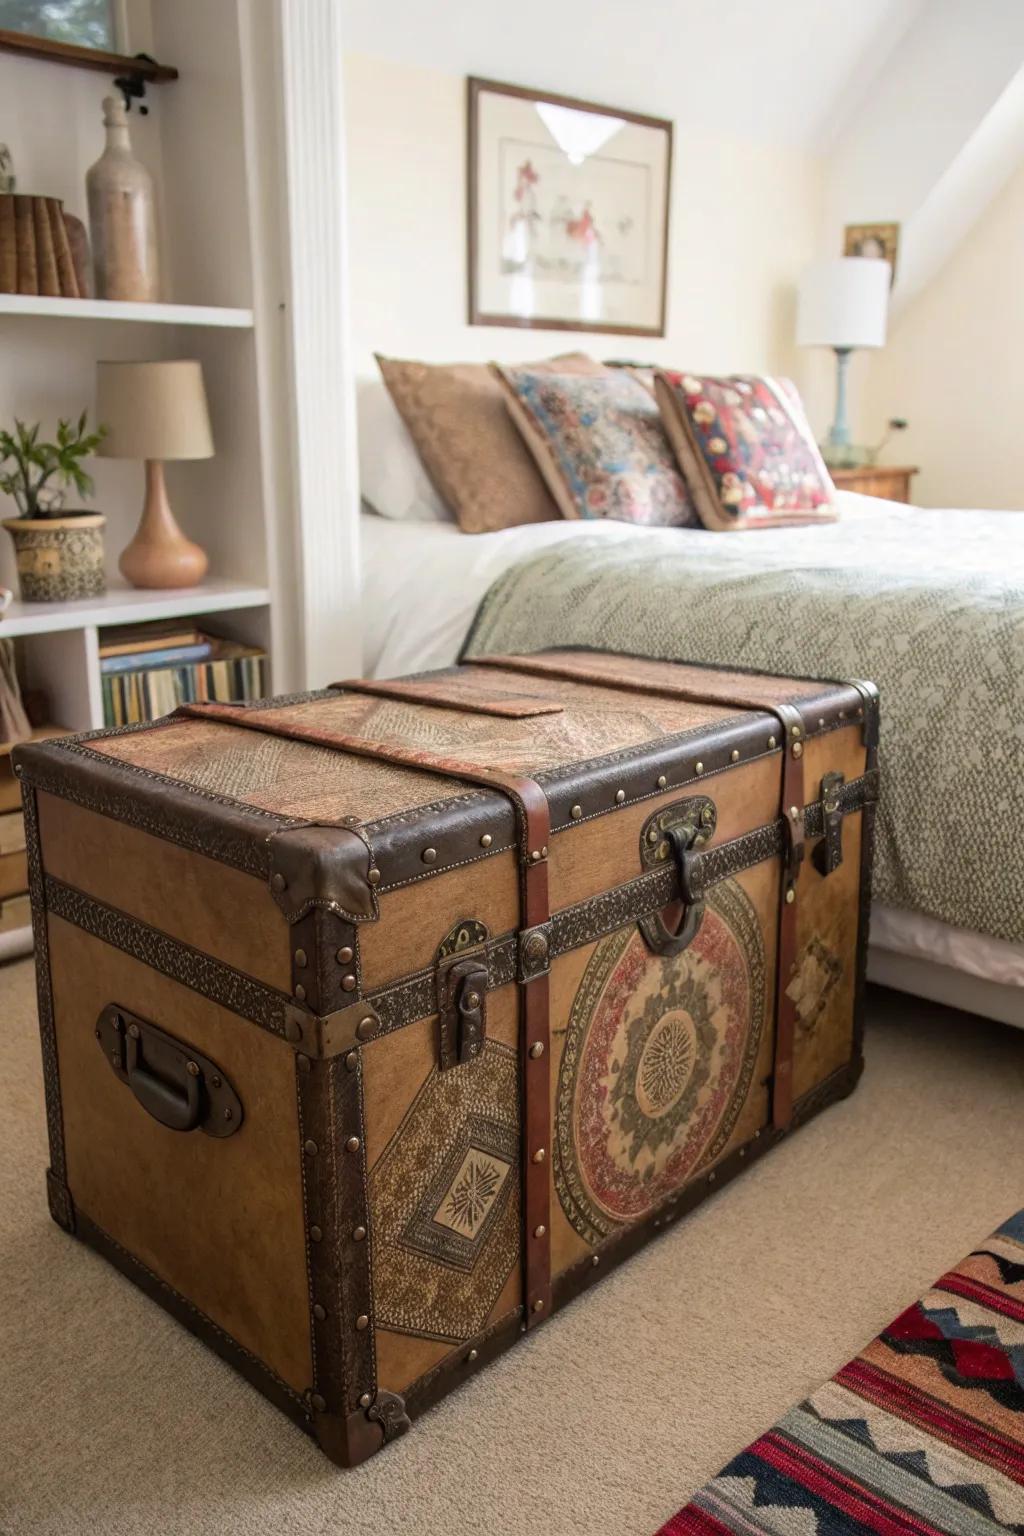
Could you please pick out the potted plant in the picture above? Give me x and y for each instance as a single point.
(59, 551)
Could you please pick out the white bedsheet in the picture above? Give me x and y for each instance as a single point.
(423, 583)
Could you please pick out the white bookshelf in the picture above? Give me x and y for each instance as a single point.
(129, 605)
(210, 315)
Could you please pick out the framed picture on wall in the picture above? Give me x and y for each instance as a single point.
(567, 216)
(878, 240)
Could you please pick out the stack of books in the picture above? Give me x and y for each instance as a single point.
(14, 903)
(147, 670)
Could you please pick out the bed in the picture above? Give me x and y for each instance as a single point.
(930, 604)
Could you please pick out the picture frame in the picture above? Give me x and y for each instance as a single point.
(98, 24)
(878, 240)
(567, 212)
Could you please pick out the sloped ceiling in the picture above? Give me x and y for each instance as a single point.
(772, 70)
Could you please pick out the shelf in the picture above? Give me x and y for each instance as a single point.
(129, 605)
(31, 46)
(116, 309)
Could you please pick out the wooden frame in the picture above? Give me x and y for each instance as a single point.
(478, 314)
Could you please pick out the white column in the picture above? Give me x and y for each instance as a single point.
(292, 91)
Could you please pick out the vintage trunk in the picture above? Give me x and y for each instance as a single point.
(377, 1023)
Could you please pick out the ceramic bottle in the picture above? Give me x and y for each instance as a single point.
(122, 216)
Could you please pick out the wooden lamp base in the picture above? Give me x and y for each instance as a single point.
(160, 555)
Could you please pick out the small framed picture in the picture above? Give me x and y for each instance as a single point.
(878, 240)
(567, 216)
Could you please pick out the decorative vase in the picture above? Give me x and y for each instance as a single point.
(59, 558)
(122, 216)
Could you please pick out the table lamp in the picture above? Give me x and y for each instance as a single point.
(156, 411)
(843, 304)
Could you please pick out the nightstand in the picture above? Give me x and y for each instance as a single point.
(883, 480)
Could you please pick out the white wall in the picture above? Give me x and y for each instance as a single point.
(745, 217)
(952, 366)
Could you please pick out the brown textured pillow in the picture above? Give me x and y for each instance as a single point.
(471, 450)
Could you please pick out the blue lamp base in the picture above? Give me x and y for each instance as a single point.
(837, 448)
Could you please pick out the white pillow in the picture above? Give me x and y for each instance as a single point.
(392, 479)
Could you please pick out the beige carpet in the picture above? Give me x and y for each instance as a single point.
(114, 1419)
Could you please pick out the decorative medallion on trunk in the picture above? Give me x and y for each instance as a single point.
(659, 1054)
(814, 979)
(444, 1201)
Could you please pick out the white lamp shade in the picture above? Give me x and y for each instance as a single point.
(844, 303)
(153, 411)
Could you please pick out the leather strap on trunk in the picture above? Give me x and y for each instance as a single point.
(534, 829)
(590, 670)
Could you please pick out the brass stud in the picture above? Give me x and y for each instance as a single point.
(278, 883)
(539, 1231)
(310, 1148)
(366, 1400)
(707, 815)
(472, 1000)
(315, 1234)
(351, 1061)
(352, 1145)
(653, 836)
(538, 1305)
(300, 959)
(734, 755)
(362, 1323)
(366, 1027)
(486, 840)
(544, 851)
(373, 877)
(537, 1049)
(821, 722)
(429, 855)
(662, 781)
(319, 1313)
(790, 896)
(300, 992)
(772, 743)
(842, 714)
(795, 731)
(699, 767)
(576, 812)
(712, 1176)
(359, 1234)
(742, 1152)
(348, 983)
(539, 1155)
(302, 1062)
(620, 797)
(798, 750)
(317, 1402)
(192, 1069)
(794, 813)
(595, 1260)
(134, 1031)
(229, 1114)
(345, 955)
(474, 1354)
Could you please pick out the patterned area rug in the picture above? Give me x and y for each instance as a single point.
(922, 1433)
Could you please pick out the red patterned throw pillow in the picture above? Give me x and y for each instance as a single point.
(746, 450)
(600, 445)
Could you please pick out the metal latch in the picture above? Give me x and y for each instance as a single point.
(462, 979)
(828, 854)
(463, 992)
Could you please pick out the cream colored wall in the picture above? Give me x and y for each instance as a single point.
(952, 366)
(745, 218)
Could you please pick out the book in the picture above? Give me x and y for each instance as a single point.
(231, 673)
(12, 832)
(15, 912)
(166, 656)
(131, 639)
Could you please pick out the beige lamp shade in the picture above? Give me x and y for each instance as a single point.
(153, 411)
